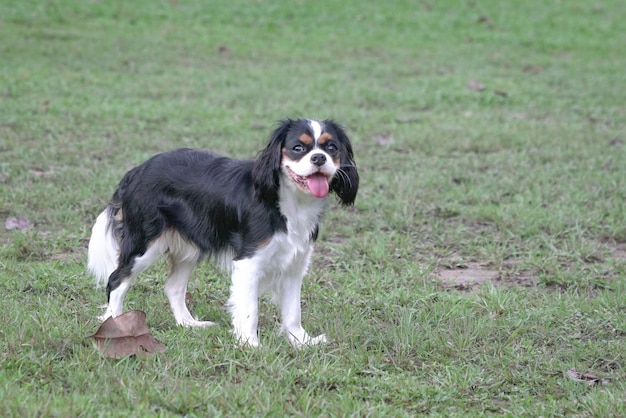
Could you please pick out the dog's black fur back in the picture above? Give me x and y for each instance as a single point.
(170, 191)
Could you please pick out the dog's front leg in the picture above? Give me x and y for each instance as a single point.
(243, 303)
(288, 298)
(290, 310)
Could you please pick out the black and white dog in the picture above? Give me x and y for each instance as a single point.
(258, 218)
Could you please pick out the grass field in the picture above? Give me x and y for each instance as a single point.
(485, 256)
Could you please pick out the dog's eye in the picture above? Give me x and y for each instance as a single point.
(331, 148)
(298, 148)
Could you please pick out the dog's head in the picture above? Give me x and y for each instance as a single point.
(315, 156)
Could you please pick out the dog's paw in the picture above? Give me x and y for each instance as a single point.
(105, 315)
(307, 341)
(192, 323)
(320, 339)
(248, 342)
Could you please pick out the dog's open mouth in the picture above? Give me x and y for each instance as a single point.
(316, 183)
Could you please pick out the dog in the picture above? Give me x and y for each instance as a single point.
(257, 218)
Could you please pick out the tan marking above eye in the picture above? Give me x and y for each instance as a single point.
(306, 139)
(325, 137)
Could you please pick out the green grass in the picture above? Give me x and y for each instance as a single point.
(524, 178)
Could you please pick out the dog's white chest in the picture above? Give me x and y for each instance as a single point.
(290, 252)
(288, 248)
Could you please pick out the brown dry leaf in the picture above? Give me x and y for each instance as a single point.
(224, 50)
(383, 139)
(409, 119)
(586, 378)
(532, 69)
(44, 106)
(22, 223)
(37, 172)
(475, 85)
(126, 335)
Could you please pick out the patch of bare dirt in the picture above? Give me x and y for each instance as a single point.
(466, 276)
(619, 252)
(617, 248)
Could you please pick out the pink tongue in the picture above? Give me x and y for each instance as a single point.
(318, 185)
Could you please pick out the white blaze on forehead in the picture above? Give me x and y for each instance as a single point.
(317, 129)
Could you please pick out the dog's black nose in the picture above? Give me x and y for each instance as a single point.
(318, 159)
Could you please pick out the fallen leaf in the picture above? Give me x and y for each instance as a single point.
(44, 106)
(486, 21)
(383, 139)
(532, 69)
(126, 335)
(475, 85)
(586, 378)
(258, 125)
(224, 50)
(22, 223)
(408, 120)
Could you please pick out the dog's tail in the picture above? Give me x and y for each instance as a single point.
(103, 248)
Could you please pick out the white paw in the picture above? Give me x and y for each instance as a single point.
(320, 339)
(246, 340)
(249, 343)
(106, 315)
(192, 323)
(307, 341)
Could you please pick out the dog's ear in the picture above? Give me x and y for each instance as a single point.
(346, 182)
(266, 170)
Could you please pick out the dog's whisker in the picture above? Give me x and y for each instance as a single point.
(345, 177)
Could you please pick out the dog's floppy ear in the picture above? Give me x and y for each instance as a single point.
(346, 182)
(266, 170)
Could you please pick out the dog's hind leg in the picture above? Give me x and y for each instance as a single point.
(116, 300)
(176, 291)
(117, 287)
(122, 278)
